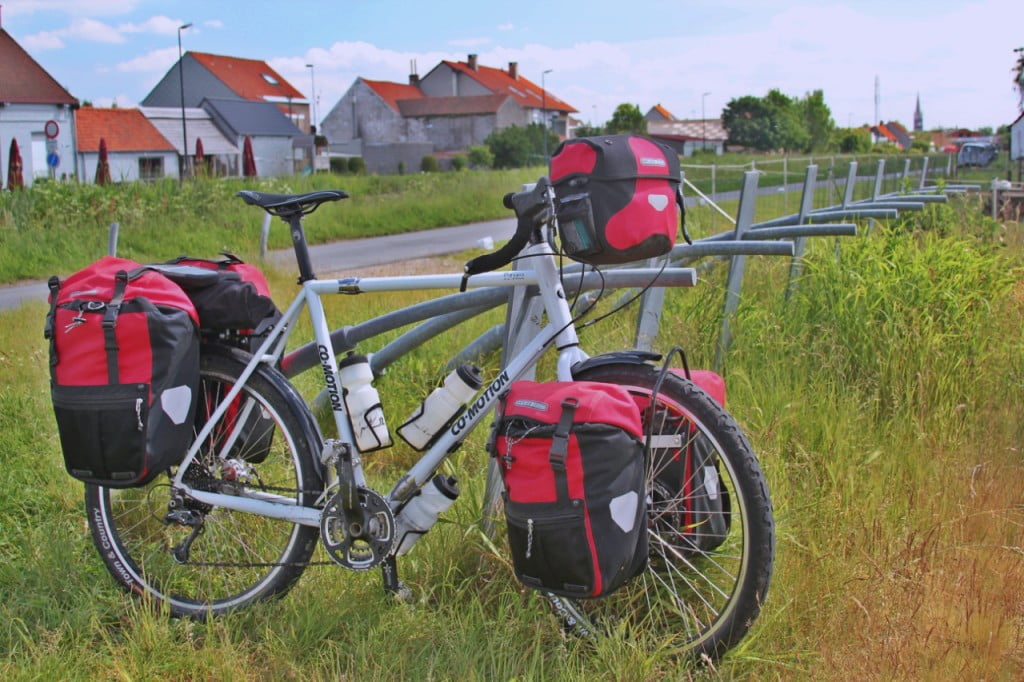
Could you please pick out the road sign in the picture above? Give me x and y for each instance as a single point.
(51, 129)
(51, 146)
(52, 160)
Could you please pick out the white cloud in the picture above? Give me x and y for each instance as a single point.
(157, 60)
(213, 23)
(93, 31)
(73, 7)
(160, 25)
(46, 40)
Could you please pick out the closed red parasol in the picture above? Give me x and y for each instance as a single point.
(14, 175)
(103, 165)
(248, 160)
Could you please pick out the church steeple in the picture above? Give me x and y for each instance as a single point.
(918, 117)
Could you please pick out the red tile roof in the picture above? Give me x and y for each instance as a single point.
(23, 81)
(248, 78)
(663, 112)
(393, 92)
(125, 130)
(498, 81)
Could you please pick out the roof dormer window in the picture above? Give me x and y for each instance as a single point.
(270, 79)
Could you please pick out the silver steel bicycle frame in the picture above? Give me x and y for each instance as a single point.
(559, 331)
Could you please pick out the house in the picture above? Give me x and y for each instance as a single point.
(893, 132)
(689, 136)
(659, 113)
(271, 133)
(222, 155)
(210, 76)
(455, 106)
(36, 111)
(135, 148)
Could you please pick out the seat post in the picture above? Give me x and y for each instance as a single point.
(301, 249)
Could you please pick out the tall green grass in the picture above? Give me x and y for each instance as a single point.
(882, 397)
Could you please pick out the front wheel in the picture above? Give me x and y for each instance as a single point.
(201, 560)
(709, 524)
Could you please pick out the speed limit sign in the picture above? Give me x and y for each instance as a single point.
(51, 129)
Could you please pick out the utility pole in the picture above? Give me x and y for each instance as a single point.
(181, 84)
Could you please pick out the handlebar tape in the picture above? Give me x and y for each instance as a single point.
(530, 210)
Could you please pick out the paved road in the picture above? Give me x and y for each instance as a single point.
(344, 255)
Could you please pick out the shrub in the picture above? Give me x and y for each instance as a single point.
(429, 164)
(480, 156)
(356, 165)
(339, 165)
(458, 163)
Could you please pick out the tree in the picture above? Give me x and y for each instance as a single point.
(515, 147)
(853, 140)
(1018, 77)
(770, 122)
(627, 119)
(817, 119)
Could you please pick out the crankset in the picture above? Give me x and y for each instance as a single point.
(362, 538)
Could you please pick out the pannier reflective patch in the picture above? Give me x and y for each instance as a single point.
(658, 201)
(649, 161)
(711, 482)
(623, 510)
(533, 405)
(176, 403)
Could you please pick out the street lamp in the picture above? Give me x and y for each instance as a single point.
(312, 100)
(181, 84)
(703, 125)
(544, 110)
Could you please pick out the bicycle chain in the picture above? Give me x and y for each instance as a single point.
(202, 478)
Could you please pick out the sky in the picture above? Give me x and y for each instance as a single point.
(690, 56)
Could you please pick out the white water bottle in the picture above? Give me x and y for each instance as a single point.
(441, 406)
(363, 404)
(421, 512)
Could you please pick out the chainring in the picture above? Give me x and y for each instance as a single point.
(360, 543)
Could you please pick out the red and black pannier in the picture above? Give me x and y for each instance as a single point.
(233, 302)
(230, 296)
(617, 198)
(572, 459)
(691, 474)
(124, 367)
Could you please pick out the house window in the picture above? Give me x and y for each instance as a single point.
(270, 79)
(151, 167)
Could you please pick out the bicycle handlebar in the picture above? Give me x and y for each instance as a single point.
(533, 208)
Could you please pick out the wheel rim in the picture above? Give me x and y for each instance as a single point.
(237, 556)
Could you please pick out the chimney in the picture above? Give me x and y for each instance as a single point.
(513, 70)
(414, 77)
(471, 61)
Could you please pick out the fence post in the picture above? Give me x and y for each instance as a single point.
(522, 324)
(744, 219)
(112, 239)
(851, 182)
(924, 172)
(879, 176)
(806, 203)
(264, 235)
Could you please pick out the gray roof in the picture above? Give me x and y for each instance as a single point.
(198, 124)
(250, 118)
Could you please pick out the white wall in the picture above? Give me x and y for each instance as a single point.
(25, 123)
(124, 166)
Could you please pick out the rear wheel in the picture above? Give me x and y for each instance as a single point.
(201, 560)
(710, 527)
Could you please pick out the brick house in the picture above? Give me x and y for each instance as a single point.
(33, 104)
(456, 105)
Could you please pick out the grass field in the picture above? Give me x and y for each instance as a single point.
(883, 398)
